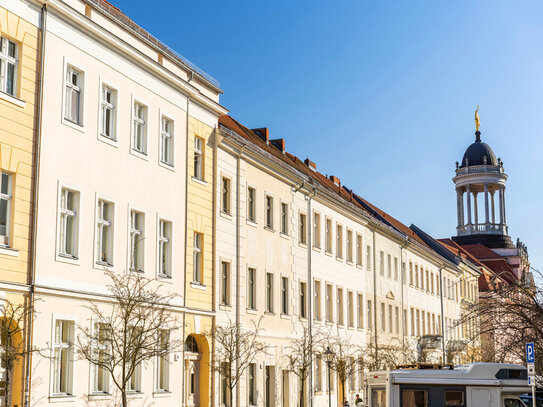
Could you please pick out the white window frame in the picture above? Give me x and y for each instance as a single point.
(136, 235)
(112, 106)
(349, 244)
(199, 158)
(165, 241)
(96, 369)
(167, 136)
(252, 289)
(197, 258)
(303, 299)
(302, 228)
(162, 364)
(62, 214)
(268, 225)
(251, 205)
(225, 283)
(284, 221)
(251, 384)
(54, 385)
(7, 60)
(6, 196)
(139, 121)
(316, 230)
(270, 306)
(101, 223)
(285, 295)
(80, 126)
(226, 200)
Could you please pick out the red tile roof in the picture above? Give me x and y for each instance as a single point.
(493, 261)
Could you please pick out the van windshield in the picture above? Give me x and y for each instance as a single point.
(378, 398)
(513, 403)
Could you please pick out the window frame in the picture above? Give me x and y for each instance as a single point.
(303, 299)
(225, 282)
(70, 365)
(114, 107)
(96, 369)
(169, 136)
(165, 240)
(136, 232)
(197, 258)
(144, 122)
(269, 308)
(6, 60)
(198, 163)
(349, 245)
(316, 230)
(251, 204)
(339, 241)
(268, 211)
(162, 361)
(78, 125)
(226, 195)
(251, 290)
(284, 221)
(60, 255)
(8, 197)
(285, 291)
(100, 223)
(302, 228)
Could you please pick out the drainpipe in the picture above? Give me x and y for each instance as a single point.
(238, 268)
(375, 297)
(213, 255)
(32, 277)
(442, 313)
(402, 274)
(183, 376)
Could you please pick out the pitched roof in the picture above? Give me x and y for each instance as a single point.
(492, 260)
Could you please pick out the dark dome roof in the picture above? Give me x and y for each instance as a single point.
(476, 153)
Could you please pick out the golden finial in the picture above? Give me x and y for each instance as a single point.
(477, 119)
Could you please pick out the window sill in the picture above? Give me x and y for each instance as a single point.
(133, 270)
(139, 154)
(99, 396)
(107, 140)
(164, 278)
(349, 262)
(198, 286)
(225, 306)
(12, 99)
(225, 215)
(269, 229)
(134, 394)
(73, 125)
(285, 316)
(328, 253)
(359, 266)
(317, 249)
(67, 259)
(165, 165)
(252, 223)
(8, 251)
(60, 398)
(199, 181)
(339, 258)
(284, 235)
(269, 313)
(252, 311)
(302, 244)
(162, 393)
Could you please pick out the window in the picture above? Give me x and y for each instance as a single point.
(166, 140)
(8, 65)
(455, 398)
(163, 361)
(390, 328)
(412, 321)
(198, 158)
(137, 240)
(69, 222)
(269, 292)
(102, 337)
(284, 295)
(410, 273)
(427, 286)
(104, 233)
(5, 208)
(396, 275)
(414, 398)
(381, 263)
(359, 312)
(397, 320)
(134, 384)
(359, 250)
(251, 379)
(432, 288)
(225, 283)
(383, 322)
(329, 304)
(350, 309)
(64, 358)
(269, 212)
(389, 266)
(339, 241)
(303, 300)
(403, 273)
(369, 319)
(198, 258)
(417, 322)
(416, 276)
(74, 89)
(350, 246)
(251, 288)
(368, 257)
(317, 230)
(225, 390)
(303, 229)
(225, 195)
(340, 306)
(328, 235)
(317, 305)
(164, 248)
(251, 207)
(139, 128)
(108, 112)
(284, 218)
(318, 373)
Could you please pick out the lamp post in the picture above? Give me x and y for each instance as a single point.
(329, 357)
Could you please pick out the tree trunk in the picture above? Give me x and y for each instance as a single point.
(123, 395)
(342, 391)
(8, 389)
(301, 393)
(231, 396)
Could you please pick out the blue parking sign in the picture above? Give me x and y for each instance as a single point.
(530, 354)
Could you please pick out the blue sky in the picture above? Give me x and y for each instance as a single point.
(380, 94)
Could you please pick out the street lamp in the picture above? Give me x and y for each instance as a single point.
(329, 357)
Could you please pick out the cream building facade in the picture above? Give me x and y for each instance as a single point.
(118, 129)
(297, 249)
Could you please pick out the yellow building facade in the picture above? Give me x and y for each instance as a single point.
(199, 267)
(19, 95)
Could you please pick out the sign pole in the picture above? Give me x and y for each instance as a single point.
(530, 363)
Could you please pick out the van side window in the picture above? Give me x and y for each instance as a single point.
(414, 398)
(512, 403)
(454, 398)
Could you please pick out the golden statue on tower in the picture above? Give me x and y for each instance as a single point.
(477, 119)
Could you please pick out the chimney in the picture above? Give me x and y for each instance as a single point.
(312, 166)
(279, 143)
(335, 180)
(263, 133)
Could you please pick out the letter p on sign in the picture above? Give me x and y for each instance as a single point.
(530, 353)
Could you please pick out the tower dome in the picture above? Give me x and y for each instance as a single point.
(478, 153)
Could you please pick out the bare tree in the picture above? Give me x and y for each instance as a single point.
(135, 328)
(348, 357)
(236, 348)
(14, 316)
(301, 354)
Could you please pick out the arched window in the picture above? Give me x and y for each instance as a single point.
(191, 345)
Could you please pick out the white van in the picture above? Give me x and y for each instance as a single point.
(472, 385)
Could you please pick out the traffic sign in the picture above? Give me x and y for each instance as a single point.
(531, 369)
(530, 353)
(531, 381)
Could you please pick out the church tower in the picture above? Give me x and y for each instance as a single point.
(480, 194)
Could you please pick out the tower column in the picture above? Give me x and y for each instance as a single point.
(459, 207)
(462, 221)
(503, 202)
(486, 207)
(501, 205)
(475, 210)
(468, 196)
(492, 210)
